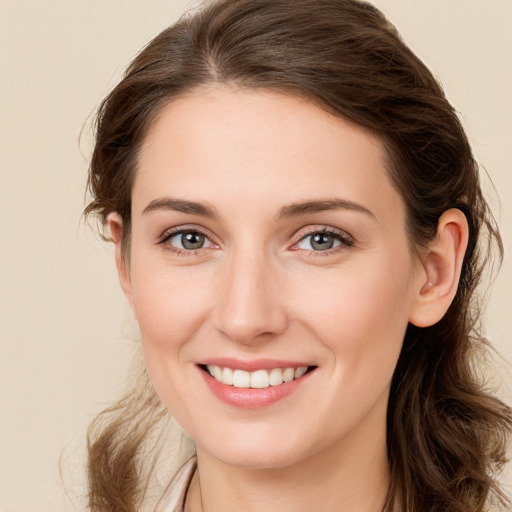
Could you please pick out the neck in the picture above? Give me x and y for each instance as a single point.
(350, 476)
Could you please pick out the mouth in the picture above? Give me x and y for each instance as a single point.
(258, 379)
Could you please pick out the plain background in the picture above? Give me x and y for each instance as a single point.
(65, 331)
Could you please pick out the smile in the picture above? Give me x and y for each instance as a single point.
(258, 379)
(257, 383)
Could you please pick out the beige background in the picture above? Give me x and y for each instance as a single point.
(63, 350)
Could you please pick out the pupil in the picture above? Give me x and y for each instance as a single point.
(322, 242)
(192, 240)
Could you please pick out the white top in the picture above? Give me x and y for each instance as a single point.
(173, 499)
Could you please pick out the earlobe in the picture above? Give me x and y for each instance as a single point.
(115, 225)
(440, 270)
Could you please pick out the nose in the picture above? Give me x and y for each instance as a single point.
(250, 305)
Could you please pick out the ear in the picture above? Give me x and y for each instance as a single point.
(115, 225)
(440, 268)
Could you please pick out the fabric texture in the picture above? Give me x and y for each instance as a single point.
(173, 499)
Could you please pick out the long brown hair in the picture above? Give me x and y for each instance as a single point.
(446, 434)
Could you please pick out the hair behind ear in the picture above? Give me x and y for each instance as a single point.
(446, 435)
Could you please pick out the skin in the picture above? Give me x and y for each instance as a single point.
(259, 289)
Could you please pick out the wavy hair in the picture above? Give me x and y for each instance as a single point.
(446, 434)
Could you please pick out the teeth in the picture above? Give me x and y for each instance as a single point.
(217, 373)
(258, 379)
(227, 376)
(299, 372)
(241, 379)
(276, 376)
(288, 374)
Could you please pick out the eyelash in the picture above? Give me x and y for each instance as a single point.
(345, 241)
(180, 231)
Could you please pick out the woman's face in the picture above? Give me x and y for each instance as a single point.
(268, 240)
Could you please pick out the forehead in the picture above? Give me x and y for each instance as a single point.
(223, 143)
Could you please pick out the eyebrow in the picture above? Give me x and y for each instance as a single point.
(291, 210)
(179, 205)
(310, 207)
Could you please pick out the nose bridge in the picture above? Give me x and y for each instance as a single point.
(250, 304)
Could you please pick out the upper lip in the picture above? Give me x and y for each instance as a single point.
(252, 364)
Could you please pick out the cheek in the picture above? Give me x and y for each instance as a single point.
(171, 306)
(354, 299)
(361, 314)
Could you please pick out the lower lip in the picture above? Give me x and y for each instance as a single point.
(252, 398)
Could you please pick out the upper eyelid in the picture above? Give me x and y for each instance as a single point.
(312, 230)
(346, 240)
(170, 232)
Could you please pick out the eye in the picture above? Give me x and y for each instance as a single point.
(323, 240)
(188, 240)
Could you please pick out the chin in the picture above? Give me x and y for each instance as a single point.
(256, 458)
(264, 449)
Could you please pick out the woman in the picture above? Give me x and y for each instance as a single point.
(299, 232)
